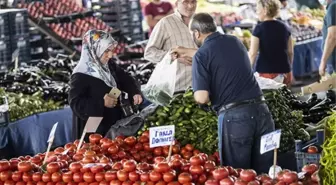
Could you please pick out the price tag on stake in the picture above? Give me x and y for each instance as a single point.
(50, 141)
(270, 141)
(90, 127)
(161, 136)
(52, 133)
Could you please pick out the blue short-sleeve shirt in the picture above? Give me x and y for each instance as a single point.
(221, 66)
(330, 20)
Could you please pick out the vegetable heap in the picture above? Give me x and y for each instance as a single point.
(192, 124)
(131, 161)
(328, 160)
(140, 71)
(289, 121)
(21, 106)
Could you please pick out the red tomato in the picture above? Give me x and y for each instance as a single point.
(220, 173)
(248, 175)
(9, 182)
(209, 166)
(175, 164)
(67, 177)
(196, 169)
(310, 168)
(56, 177)
(88, 177)
(114, 149)
(17, 176)
(53, 167)
(122, 175)
(122, 154)
(196, 160)
(184, 178)
(115, 182)
(95, 138)
(75, 167)
(133, 176)
(312, 150)
(130, 141)
(4, 165)
(97, 169)
(169, 177)
(46, 177)
(5, 175)
(254, 182)
(78, 177)
(161, 183)
(161, 167)
(26, 177)
(19, 183)
(104, 183)
(290, 177)
(110, 175)
(155, 176)
(78, 157)
(189, 147)
(202, 178)
(158, 160)
(129, 166)
(25, 166)
(211, 182)
(144, 177)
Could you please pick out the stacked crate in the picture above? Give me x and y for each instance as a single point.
(14, 35)
(125, 15)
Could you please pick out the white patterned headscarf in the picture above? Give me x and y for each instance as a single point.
(95, 43)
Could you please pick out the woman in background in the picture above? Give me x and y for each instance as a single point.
(155, 11)
(272, 40)
(92, 80)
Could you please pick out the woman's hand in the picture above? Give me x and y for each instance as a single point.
(137, 99)
(109, 101)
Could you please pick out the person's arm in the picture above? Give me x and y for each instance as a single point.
(330, 42)
(151, 21)
(154, 51)
(82, 105)
(290, 50)
(201, 80)
(182, 52)
(254, 48)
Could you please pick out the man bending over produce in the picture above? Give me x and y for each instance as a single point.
(172, 31)
(222, 74)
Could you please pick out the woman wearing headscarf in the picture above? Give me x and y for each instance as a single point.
(92, 80)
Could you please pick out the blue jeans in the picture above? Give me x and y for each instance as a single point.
(239, 131)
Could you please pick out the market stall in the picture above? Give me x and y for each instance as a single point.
(37, 99)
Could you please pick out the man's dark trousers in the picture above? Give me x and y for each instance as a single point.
(239, 131)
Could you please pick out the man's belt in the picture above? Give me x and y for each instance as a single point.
(245, 102)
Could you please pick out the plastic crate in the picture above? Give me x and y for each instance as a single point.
(4, 28)
(301, 155)
(23, 44)
(5, 52)
(19, 22)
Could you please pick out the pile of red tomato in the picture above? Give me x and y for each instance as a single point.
(129, 161)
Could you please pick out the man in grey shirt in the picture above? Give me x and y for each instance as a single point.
(172, 31)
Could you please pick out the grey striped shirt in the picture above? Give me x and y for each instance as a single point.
(170, 32)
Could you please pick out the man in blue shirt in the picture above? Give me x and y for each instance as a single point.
(222, 75)
(329, 38)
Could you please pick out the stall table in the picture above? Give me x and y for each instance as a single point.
(29, 136)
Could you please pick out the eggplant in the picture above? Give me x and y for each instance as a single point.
(331, 95)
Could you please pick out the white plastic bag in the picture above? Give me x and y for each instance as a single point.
(266, 83)
(161, 85)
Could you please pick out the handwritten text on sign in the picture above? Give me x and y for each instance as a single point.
(161, 136)
(270, 141)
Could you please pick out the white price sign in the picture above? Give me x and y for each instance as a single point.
(52, 133)
(270, 141)
(161, 136)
